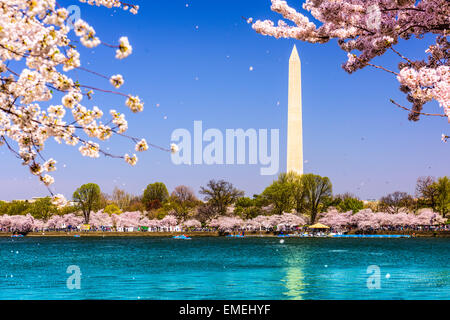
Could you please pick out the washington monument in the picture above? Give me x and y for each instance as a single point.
(295, 127)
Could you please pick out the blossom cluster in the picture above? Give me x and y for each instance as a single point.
(137, 219)
(426, 84)
(27, 223)
(366, 29)
(366, 219)
(36, 56)
(278, 222)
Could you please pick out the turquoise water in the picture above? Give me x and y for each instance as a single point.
(225, 268)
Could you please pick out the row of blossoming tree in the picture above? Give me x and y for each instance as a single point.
(363, 220)
(139, 221)
(289, 202)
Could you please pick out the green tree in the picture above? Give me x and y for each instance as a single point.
(88, 198)
(18, 207)
(68, 209)
(286, 193)
(352, 204)
(220, 194)
(158, 213)
(43, 208)
(298, 190)
(112, 208)
(247, 208)
(135, 205)
(154, 195)
(280, 194)
(317, 190)
(4, 206)
(348, 202)
(443, 195)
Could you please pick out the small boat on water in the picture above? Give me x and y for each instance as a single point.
(284, 235)
(182, 237)
(235, 236)
(76, 236)
(17, 236)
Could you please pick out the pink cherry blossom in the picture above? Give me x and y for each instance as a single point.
(169, 221)
(192, 223)
(36, 53)
(366, 29)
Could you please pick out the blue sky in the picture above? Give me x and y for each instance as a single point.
(194, 62)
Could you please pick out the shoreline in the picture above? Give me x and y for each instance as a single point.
(418, 234)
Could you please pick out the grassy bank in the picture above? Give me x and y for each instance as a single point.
(113, 234)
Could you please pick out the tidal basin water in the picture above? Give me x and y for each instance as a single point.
(225, 268)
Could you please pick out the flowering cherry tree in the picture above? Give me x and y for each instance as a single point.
(224, 223)
(281, 222)
(363, 220)
(366, 29)
(366, 219)
(100, 219)
(334, 218)
(169, 221)
(38, 51)
(192, 223)
(127, 219)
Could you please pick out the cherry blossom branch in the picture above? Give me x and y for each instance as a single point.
(381, 68)
(401, 56)
(372, 27)
(417, 112)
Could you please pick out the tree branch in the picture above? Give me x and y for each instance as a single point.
(422, 113)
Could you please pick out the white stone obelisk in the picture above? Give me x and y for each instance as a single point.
(295, 127)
